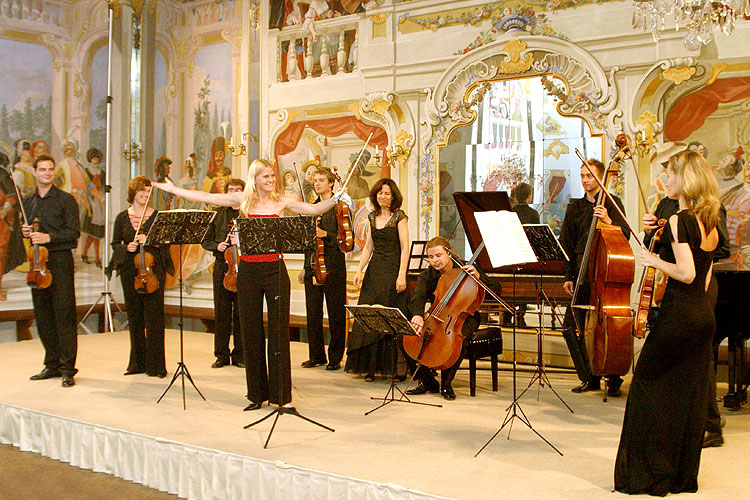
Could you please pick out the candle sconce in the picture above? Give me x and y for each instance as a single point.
(241, 149)
(134, 152)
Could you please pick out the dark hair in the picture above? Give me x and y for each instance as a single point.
(437, 241)
(699, 143)
(191, 168)
(521, 192)
(234, 182)
(159, 169)
(44, 157)
(599, 166)
(396, 194)
(327, 172)
(137, 183)
(4, 160)
(93, 153)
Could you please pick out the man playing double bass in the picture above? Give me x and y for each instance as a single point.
(573, 238)
(440, 261)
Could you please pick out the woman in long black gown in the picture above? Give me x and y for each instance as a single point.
(384, 283)
(665, 416)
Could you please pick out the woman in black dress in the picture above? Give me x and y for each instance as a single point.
(145, 310)
(665, 416)
(387, 251)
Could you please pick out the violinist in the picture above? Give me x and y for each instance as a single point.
(226, 307)
(439, 257)
(259, 276)
(145, 310)
(54, 306)
(665, 416)
(573, 236)
(333, 289)
(667, 207)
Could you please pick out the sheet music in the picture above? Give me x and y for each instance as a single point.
(504, 238)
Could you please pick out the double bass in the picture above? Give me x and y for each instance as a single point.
(609, 264)
(457, 297)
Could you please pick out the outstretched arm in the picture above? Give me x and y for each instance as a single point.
(220, 199)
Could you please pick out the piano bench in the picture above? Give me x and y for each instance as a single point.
(487, 342)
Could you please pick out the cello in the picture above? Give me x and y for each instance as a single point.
(456, 298)
(609, 264)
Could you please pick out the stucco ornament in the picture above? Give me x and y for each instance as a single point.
(515, 62)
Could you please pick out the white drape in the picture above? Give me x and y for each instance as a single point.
(187, 471)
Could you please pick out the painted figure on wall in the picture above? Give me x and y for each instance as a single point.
(216, 167)
(289, 184)
(727, 172)
(23, 170)
(12, 251)
(92, 223)
(738, 223)
(162, 199)
(69, 172)
(188, 180)
(39, 147)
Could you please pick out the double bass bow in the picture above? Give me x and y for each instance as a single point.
(609, 265)
(145, 280)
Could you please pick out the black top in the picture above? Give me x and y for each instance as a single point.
(58, 216)
(331, 240)
(667, 207)
(218, 230)
(526, 214)
(424, 291)
(122, 234)
(575, 229)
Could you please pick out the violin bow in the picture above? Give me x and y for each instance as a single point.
(351, 168)
(617, 207)
(145, 206)
(299, 180)
(20, 200)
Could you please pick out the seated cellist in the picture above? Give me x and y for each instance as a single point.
(440, 261)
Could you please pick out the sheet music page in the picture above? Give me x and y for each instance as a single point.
(504, 238)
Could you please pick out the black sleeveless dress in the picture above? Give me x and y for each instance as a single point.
(665, 416)
(378, 353)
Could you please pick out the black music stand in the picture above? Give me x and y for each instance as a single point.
(180, 227)
(493, 231)
(261, 235)
(546, 248)
(382, 320)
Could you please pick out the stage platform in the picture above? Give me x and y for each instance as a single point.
(111, 423)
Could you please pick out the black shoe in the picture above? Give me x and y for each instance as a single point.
(239, 364)
(423, 388)
(98, 263)
(613, 391)
(68, 381)
(333, 366)
(133, 372)
(311, 363)
(447, 392)
(85, 259)
(45, 374)
(253, 406)
(586, 387)
(218, 364)
(711, 439)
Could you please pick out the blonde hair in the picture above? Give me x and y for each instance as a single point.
(697, 186)
(250, 193)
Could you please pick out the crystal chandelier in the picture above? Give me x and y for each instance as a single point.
(700, 17)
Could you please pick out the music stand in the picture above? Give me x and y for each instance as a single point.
(381, 320)
(507, 244)
(261, 235)
(546, 248)
(180, 227)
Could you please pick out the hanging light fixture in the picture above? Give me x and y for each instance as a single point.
(699, 17)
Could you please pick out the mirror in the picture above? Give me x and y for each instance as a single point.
(518, 136)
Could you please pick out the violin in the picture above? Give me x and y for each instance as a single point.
(653, 286)
(319, 261)
(145, 280)
(232, 258)
(457, 297)
(609, 263)
(345, 232)
(38, 276)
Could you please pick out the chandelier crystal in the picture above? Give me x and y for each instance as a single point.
(699, 17)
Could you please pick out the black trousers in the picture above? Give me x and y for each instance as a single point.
(256, 280)
(713, 417)
(334, 292)
(227, 318)
(55, 313)
(146, 325)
